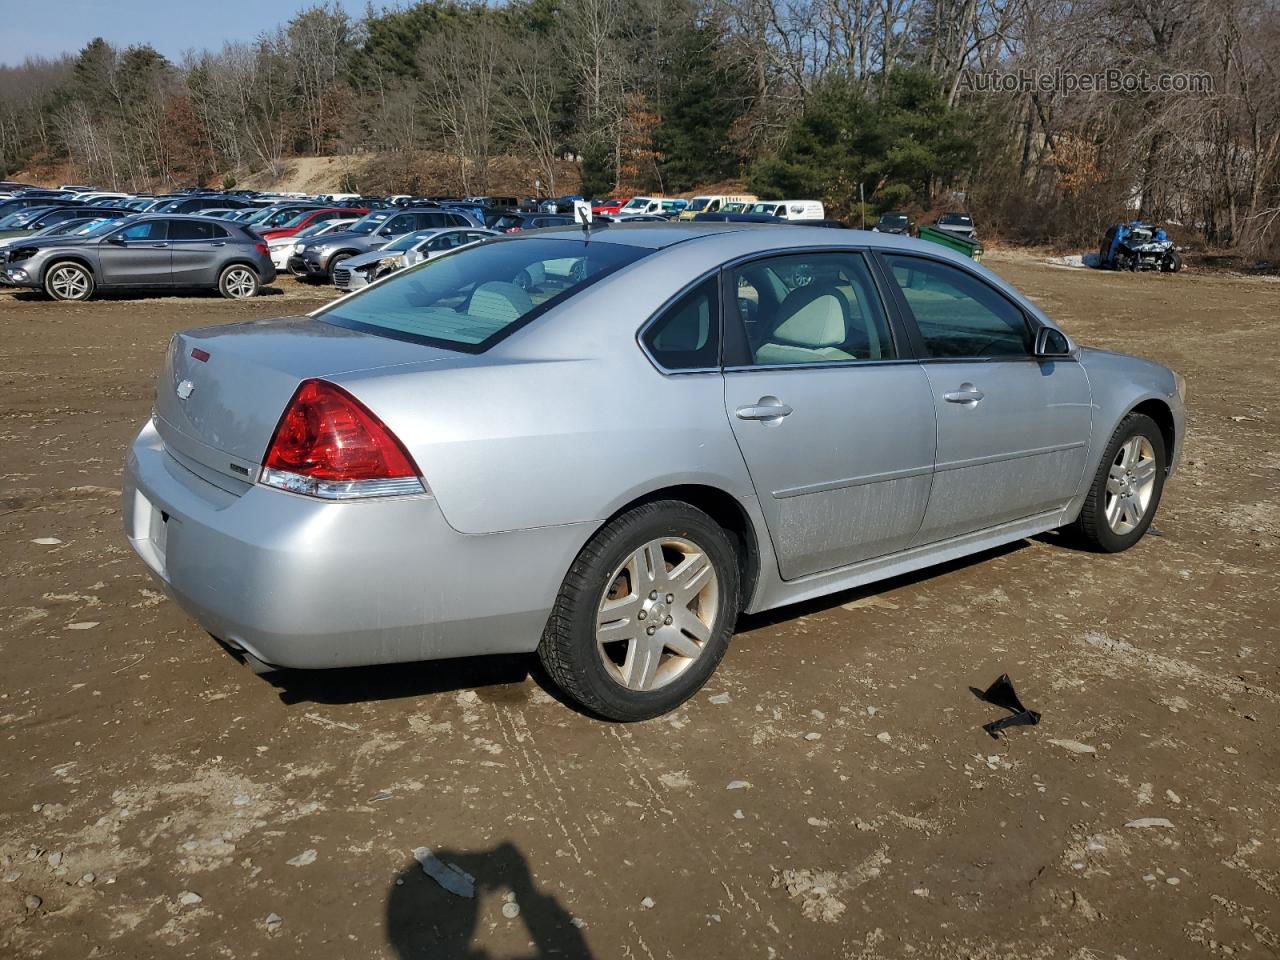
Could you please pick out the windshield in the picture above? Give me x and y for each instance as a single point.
(95, 227)
(66, 226)
(295, 218)
(401, 244)
(637, 203)
(312, 230)
(259, 215)
(282, 218)
(766, 208)
(893, 220)
(698, 203)
(369, 223)
(471, 299)
(955, 220)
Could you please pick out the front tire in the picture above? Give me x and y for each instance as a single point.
(1126, 490)
(69, 281)
(238, 282)
(645, 613)
(334, 264)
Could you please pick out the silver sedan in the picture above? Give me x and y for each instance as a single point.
(604, 444)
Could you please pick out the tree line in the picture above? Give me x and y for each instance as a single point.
(866, 104)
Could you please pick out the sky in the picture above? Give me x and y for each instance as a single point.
(171, 26)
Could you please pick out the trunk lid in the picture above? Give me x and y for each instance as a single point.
(223, 389)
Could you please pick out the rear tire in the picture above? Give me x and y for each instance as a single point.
(645, 613)
(1172, 263)
(1126, 488)
(68, 281)
(238, 282)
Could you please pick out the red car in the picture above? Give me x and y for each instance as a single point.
(307, 217)
(612, 205)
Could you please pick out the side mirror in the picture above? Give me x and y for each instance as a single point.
(116, 238)
(1052, 343)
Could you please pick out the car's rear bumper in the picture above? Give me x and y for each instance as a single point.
(301, 582)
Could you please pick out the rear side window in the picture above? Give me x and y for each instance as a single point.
(457, 220)
(686, 336)
(957, 314)
(471, 299)
(195, 230)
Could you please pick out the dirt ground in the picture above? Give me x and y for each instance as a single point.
(831, 794)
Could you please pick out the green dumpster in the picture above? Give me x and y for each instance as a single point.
(970, 248)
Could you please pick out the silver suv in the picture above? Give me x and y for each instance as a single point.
(168, 251)
(316, 259)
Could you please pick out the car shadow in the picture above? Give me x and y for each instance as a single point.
(424, 921)
(755, 621)
(172, 293)
(496, 677)
(504, 678)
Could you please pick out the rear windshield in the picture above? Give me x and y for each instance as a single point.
(471, 299)
(893, 220)
(955, 220)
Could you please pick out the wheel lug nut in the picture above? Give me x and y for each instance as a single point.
(642, 614)
(651, 631)
(653, 594)
(671, 598)
(667, 621)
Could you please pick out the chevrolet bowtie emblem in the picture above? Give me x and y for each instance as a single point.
(185, 388)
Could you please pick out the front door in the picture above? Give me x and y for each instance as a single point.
(138, 255)
(836, 426)
(1013, 431)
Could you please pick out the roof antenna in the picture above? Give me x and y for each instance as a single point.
(582, 213)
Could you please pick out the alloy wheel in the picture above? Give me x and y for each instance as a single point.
(1131, 482)
(657, 614)
(69, 283)
(240, 283)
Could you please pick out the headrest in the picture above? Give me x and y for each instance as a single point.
(812, 316)
(499, 302)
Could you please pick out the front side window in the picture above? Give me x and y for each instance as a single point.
(147, 230)
(686, 336)
(957, 314)
(471, 299)
(811, 308)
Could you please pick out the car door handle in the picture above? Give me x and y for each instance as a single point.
(218, 243)
(967, 393)
(159, 246)
(766, 408)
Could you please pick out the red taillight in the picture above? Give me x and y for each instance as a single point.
(512, 230)
(261, 247)
(328, 444)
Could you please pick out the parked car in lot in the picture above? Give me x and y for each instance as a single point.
(145, 251)
(302, 219)
(63, 228)
(893, 222)
(790, 209)
(281, 248)
(198, 203)
(358, 480)
(608, 205)
(517, 222)
(712, 203)
(32, 219)
(319, 258)
(357, 272)
(961, 224)
(641, 205)
(24, 201)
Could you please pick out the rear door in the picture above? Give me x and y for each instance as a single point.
(138, 255)
(196, 248)
(1012, 430)
(832, 413)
